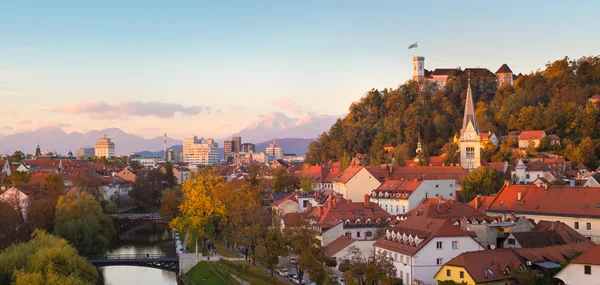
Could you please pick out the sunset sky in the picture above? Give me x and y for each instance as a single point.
(210, 68)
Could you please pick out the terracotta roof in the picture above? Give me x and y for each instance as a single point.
(568, 234)
(538, 239)
(480, 72)
(554, 137)
(582, 201)
(499, 166)
(447, 210)
(293, 198)
(292, 219)
(487, 265)
(407, 173)
(557, 253)
(504, 69)
(347, 174)
(422, 228)
(530, 135)
(399, 185)
(595, 98)
(591, 257)
(337, 245)
(331, 175)
(485, 135)
(484, 202)
(332, 214)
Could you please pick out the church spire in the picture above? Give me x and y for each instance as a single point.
(469, 115)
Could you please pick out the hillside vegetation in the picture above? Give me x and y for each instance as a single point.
(554, 100)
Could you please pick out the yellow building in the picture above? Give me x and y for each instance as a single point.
(489, 267)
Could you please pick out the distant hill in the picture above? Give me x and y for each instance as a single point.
(56, 140)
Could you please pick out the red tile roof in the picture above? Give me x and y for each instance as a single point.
(447, 210)
(487, 265)
(423, 228)
(591, 256)
(555, 200)
(333, 213)
(568, 234)
(557, 253)
(399, 185)
(595, 98)
(348, 173)
(337, 245)
(531, 135)
(484, 202)
(504, 69)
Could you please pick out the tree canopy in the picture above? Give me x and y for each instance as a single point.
(80, 220)
(45, 259)
(481, 181)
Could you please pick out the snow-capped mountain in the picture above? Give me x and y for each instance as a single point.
(278, 125)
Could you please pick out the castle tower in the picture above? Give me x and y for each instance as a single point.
(504, 75)
(418, 68)
(470, 142)
(38, 151)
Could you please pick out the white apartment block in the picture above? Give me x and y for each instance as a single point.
(105, 148)
(274, 151)
(200, 151)
(85, 152)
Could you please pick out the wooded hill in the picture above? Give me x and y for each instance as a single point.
(554, 100)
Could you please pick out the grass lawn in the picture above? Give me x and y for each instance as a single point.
(222, 249)
(207, 273)
(255, 275)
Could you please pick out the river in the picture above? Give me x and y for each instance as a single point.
(140, 238)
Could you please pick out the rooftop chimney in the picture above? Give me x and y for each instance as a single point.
(334, 204)
(308, 207)
(520, 196)
(367, 201)
(477, 202)
(319, 211)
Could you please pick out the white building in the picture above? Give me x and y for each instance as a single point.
(200, 151)
(274, 151)
(341, 249)
(470, 141)
(105, 148)
(17, 199)
(355, 182)
(85, 152)
(420, 246)
(181, 173)
(578, 207)
(528, 173)
(144, 161)
(401, 196)
(584, 269)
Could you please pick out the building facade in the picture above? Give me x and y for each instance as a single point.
(228, 148)
(275, 151)
(248, 147)
(200, 151)
(470, 141)
(400, 196)
(236, 144)
(105, 148)
(85, 152)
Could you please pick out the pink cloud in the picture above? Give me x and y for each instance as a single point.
(99, 110)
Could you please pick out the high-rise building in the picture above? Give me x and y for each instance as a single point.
(237, 144)
(173, 155)
(248, 147)
(470, 142)
(200, 151)
(228, 148)
(85, 152)
(274, 151)
(105, 148)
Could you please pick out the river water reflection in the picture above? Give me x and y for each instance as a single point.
(146, 237)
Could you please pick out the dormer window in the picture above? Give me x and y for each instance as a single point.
(347, 222)
(368, 221)
(357, 221)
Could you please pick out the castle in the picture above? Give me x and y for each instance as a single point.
(440, 75)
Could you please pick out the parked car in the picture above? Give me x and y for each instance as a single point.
(284, 272)
(293, 260)
(296, 280)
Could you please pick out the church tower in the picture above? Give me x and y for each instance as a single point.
(418, 68)
(470, 142)
(38, 151)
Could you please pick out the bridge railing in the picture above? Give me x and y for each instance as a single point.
(151, 216)
(128, 256)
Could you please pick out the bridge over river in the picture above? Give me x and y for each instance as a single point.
(158, 261)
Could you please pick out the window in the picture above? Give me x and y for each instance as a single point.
(454, 244)
(587, 269)
(369, 234)
(396, 208)
(462, 274)
(588, 226)
(403, 209)
(386, 208)
(357, 234)
(527, 176)
(407, 279)
(440, 261)
(448, 272)
(511, 241)
(439, 245)
(470, 152)
(576, 225)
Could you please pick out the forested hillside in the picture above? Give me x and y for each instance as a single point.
(554, 100)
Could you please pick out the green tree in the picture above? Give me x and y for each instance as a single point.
(134, 164)
(54, 185)
(17, 156)
(305, 245)
(283, 181)
(531, 149)
(45, 259)
(451, 154)
(270, 248)
(375, 269)
(148, 187)
(79, 219)
(306, 183)
(481, 181)
(345, 162)
(585, 152)
(169, 176)
(17, 178)
(544, 144)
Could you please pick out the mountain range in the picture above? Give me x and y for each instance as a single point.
(293, 134)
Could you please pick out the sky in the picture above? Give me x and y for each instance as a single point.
(210, 68)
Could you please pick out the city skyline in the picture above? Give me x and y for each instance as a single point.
(151, 67)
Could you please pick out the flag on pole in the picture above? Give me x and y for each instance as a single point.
(415, 45)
